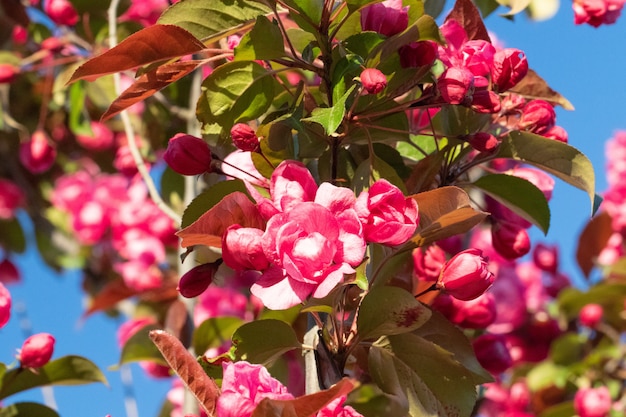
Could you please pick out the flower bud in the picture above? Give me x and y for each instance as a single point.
(455, 84)
(9, 274)
(509, 240)
(61, 12)
(593, 402)
(591, 314)
(483, 142)
(11, 197)
(36, 154)
(244, 137)
(546, 257)
(418, 54)
(510, 66)
(538, 116)
(5, 305)
(373, 80)
(19, 35)
(556, 133)
(492, 353)
(474, 314)
(387, 18)
(100, 139)
(486, 102)
(465, 276)
(427, 263)
(8, 73)
(195, 281)
(36, 350)
(188, 155)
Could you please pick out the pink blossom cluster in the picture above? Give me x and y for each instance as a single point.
(314, 236)
(116, 214)
(597, 12)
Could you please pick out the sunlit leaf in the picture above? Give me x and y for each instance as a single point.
(262, 341)
(27, 409)
(152, 44)
(468, 16)
(331, 117)
(389, 310)
(592, 241)
(150, 83)
(519, 195)
(610, 295)
(444, 212)
(264, 41)
(554, 157)
(213, 332)
(139, 347)
(234, 208)
(67, 370)
(12, 236)
(213, 20)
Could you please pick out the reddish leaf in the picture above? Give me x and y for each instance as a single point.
(152, 44)
(444, 212)
(235, 208)
(188, 369)
(533, 86)
(304, 406)
(468, 16)
(149, 83)
(112, 293)
(592, 240)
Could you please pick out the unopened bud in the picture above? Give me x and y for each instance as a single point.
(9, 274)
(5, 305)
(465, 276)
(36, 350)
(61, 12)
(36, 154)
(509, 240)
(486, 101)
(188, 155)
(11, 198)
(538, 116)
(455, 85)
(483, 142)
(591, 314)
(492, 353)
(373, 80)
(244, 137)
(510, 66)
(195, 281)
(593, 402)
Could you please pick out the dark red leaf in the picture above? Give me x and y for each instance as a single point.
(149, 83)
(152, 44)
(468, 16)
(112, 293)
(188, 369)
(592, 240)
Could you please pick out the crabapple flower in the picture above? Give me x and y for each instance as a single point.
(455, 84)
(538, 116)
(597, 12)
(100, 139)
(591, 314)
(61, 12)
(195, 281)
(510, 66)
(387, 18)
(5, 305)
(36, 350)
(11, 198)
(244, 386)
(244, 137)
(427, 263)
(546, 257)
(9, 274)
(188, 155)
(510, 240)
(593, 402)
(465, 276)
(242, 248)
(492, 353)
(336, 408)
(388, 216)
(373, 80)
(473, 314)
(36, 154)
(483, 142)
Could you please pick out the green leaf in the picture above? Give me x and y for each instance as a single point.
(568, 349)
(554, 157)
(372, 170)
(263, 341)
(235, 92)
(608, 294)
(213, 20)
(434, 7)
(264, 42)
(565, 409)
(68, 370)
(486, 7)
(209, 198)
(547, 374)
(519, 195)
(309, 8)
(139, 347)
(27, 409)
(389, 310)
(331, 117)
(79, 124)
(12, 235)
(214, 332)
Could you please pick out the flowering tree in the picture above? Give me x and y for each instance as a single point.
(352, 184)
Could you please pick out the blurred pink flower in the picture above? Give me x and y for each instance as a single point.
(37, 155)
(36, 350)
(5, 305)
(593, 402)
(11, 198)
(597, 12)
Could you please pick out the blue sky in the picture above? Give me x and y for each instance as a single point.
(584, 64)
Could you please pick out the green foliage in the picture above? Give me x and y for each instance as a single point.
(263, 341)
(209, 198)
(27, 409)
(264, 41)
(213, 332)
(139, 347)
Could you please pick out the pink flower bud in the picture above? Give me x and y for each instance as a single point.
(36, 350)
(455, 85)
(9, 274)
(195, 281)
(36, 154)
(61, 12)
(486, 101)
(8, 73)
(244, 137)
(427, 263)
(373, 80)
(242, 248)
(418, 54)
(188, 155)
(538, 116)
(591, 314)
(546, 257)
(100, 139)
(556, 133)
(5, 305)
(483, 142)
(593, 402)
(509, 240)
(19, 34)
(11, 198)
(492, 353)
(473, 314)
(510, 66)
(387, 18)
(465, 276)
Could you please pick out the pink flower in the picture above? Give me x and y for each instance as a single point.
(473, 314)
(597, 12)
(244, 137)
(388, 216)
(455, 84)
(188, 155)
(5, 305)
(485, 101)
(483, 142)
(246, 169)
(100, 139)
(244, 386)
(538, 116)
(145, 12)
(36, 350)
(427, 263)
(9, 274)
(546, 257)
(465, 276)
(492, 353)
(510, 66)
(11, 198)
(387, 18)
(593, 402)
(373, 80)
(591, 314)
(221, 301)
(291, 183)
(195, 281)
(139, 275)
(8, 73)
(36, 154)
(242, 248)
(336, 409)
(510, 240)
(61, 12)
